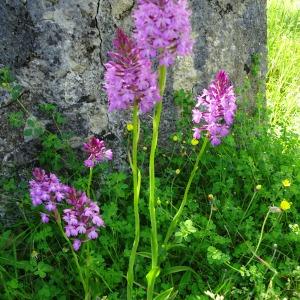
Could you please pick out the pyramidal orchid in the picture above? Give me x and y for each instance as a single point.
(97, 152)
(46, 190)
(129, 77)
(215, 109)
(163, 29)
(82, 218)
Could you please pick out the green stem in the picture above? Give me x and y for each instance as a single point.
(86, 292)
(154, 243)
(260, 237)
(233, 268)
(136, 191)
(249, 205)
(177, 216)
(89, 183)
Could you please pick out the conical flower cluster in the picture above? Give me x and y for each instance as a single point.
(163, 29)
(129, 77)
(47, 190)
(215, 109)
(82, 218)
(97, 152)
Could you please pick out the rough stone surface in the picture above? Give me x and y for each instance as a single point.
(57, 50)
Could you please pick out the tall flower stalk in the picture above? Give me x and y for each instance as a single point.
(154, 272)
(178, 215)
(130, 82)
(136, 192)
(81, 218)
(163, 31)
(213, 114)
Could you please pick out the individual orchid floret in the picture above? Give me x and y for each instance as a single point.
(47, 190)
(44, 218)
(129, 77)
(82, 218)
(97, 152)
(163, 29)
(215, 109)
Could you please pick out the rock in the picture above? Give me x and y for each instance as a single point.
(57, 50)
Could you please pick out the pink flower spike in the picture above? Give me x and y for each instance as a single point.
(97, 152)
(163, 29)
(129, 77)
(46, 189)
(82, 218)
(215, 109)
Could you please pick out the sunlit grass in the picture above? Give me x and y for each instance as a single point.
(283, 78)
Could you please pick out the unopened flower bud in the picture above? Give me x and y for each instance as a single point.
(258, 187)
(194, 142)
(210, 197)
(129, 127)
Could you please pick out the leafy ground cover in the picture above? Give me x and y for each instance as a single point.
(239, 235)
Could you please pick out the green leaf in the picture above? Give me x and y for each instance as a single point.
(16, 92)
(30, 122)
(164, 295)
(43, 269)
(13, 284)
(144, 254)
(28, 132)
(4, 238)
(16, 119)
(33, 128)
(178, 269)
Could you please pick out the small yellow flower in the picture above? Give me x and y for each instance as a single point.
(175, 138)
(258, 187)
(285, 205)
(286, 183)
(145, 148)
(177, 171)
(194, 142)
(129, 127)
